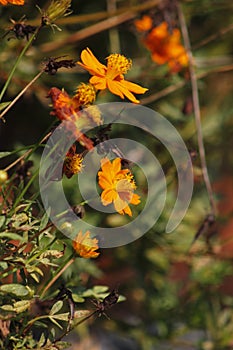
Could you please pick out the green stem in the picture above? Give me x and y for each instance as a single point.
(26, 47)
(20, 94)
(59, 272)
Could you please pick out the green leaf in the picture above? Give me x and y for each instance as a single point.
(77, 298)
(17, 289)
(44, 220)
(21, 306)
(100, 289)
(7, 307)
(62, 317)
(96, 292)
(4, 154)
(2, 220)
(11, 235)
(81, 313)
(55, 322)
(3, 105)
(56, 307)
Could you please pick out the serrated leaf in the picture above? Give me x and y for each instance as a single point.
(17, 289)
(56, 307)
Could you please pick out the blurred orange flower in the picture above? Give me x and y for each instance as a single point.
(144, 24)
(166, 47)
(85, 246)
(111, 76)
(118, 186)
(13, 2)
(67, 108)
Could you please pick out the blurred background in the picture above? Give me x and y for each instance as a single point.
(179, 295)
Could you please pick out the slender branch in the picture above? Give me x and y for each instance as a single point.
(114, 38)
(171, 88)
(100, 26)
(26, 47)
(28, 152)
(20, 94)
(196, 106)
(53, 280)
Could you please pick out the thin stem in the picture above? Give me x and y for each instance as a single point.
(20, 94)
(75, 325)
(26, 47)
(120, 17)
(172, 88)
(27, 153)
(197, 113)
(53, 280)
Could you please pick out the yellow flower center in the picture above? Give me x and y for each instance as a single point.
(119, 63)
(74, 163)
(85, 94)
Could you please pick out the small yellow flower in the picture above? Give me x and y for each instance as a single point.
(13, 2)
(118, 186)
(85, 246)
(111, 76)
(85, 94)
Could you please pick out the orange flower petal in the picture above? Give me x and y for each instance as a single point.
(98, 82)
(108, 196)
(91, 63)
(135, 199)
(13, 2)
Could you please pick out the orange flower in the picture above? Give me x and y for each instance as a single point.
(64, 107)
(118, 186)
(67, 108)
(85, 246)
(111, 76)
(166, 47)
(144, 24)
(13, 2)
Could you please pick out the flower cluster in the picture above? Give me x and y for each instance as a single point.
(165, 46)
(111, 76)
(79, 115)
